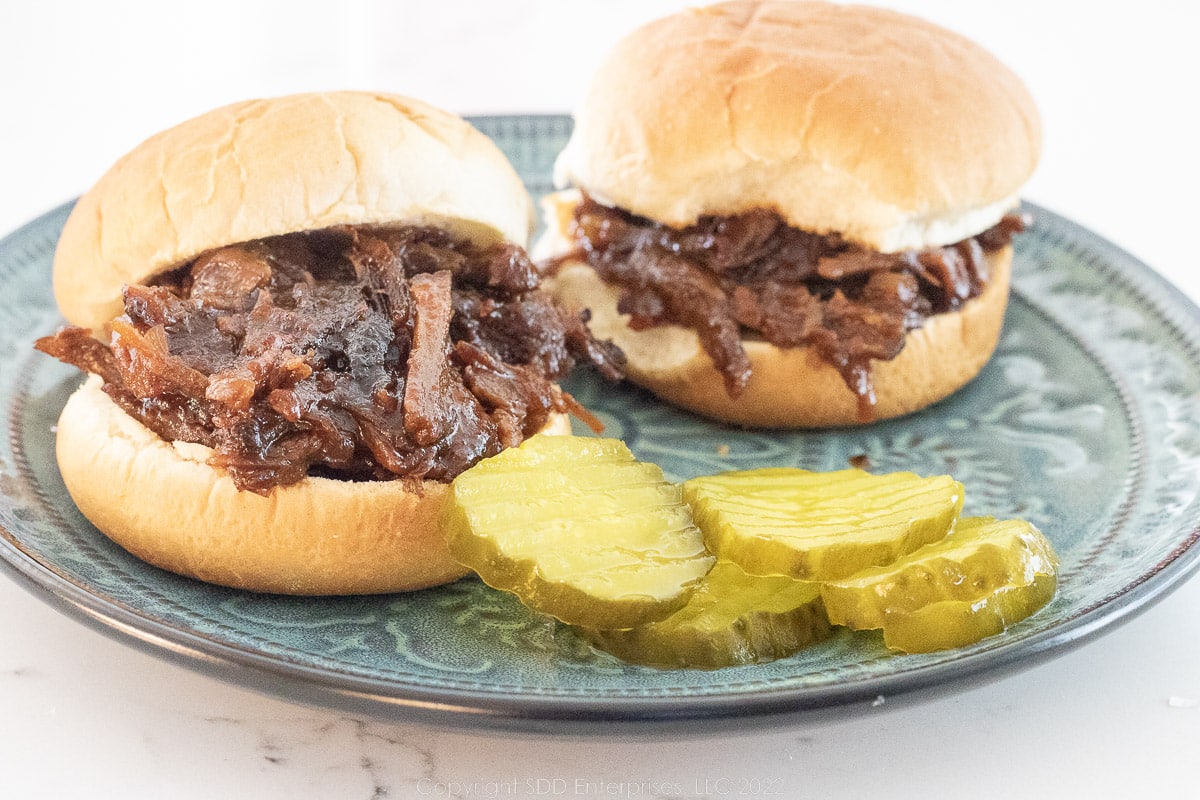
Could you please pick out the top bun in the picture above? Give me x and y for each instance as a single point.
(879, 126)
(268, 167)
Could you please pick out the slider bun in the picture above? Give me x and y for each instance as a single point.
(795, 387)
(861, 121)
(163, 504)
(268, 167)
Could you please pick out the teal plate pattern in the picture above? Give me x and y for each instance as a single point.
(1085, 422)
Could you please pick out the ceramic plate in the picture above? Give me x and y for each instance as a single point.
(1084, 422)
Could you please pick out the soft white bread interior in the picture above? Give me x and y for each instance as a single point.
(267, 167)
(873, 124)
(160, 501)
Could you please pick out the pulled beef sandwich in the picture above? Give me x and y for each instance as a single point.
(794, 214)
(303, 317)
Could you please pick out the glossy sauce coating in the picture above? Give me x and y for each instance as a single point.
(359, 353)
(752, 274)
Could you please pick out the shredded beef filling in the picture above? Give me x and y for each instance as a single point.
(752, 272)
(358, 353)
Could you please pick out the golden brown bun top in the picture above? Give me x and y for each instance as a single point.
(880, 126)
(267, 167)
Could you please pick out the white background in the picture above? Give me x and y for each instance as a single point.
(83, 716)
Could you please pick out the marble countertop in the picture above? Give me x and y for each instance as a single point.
(86, 715)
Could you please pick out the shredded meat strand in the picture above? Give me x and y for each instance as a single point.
(425, 390)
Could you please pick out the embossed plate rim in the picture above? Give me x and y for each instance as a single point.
(548, 713)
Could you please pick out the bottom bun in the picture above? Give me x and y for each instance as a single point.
(160, 501)
(795, 387)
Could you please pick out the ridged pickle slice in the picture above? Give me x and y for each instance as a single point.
(973, 584)
(820, 525)
(579, 529)
(732, 618)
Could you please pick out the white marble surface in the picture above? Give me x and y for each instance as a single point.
(82, 715)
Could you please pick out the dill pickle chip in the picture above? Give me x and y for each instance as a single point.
(577, 528)
(732, 618)
(958, 623)
(984, 576)
(820, 525)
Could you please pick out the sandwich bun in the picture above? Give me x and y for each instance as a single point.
(244, 172)
(876, 126)
(163, 503)
(267, 167)
(872, 124)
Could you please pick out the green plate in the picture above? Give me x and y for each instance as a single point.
(1085, 423)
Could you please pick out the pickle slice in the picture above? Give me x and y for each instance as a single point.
(820, 525)
(973, 584)
(732, 618)
(578, 529)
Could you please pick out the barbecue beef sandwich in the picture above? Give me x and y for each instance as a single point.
(794, 214)
(303, 317)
